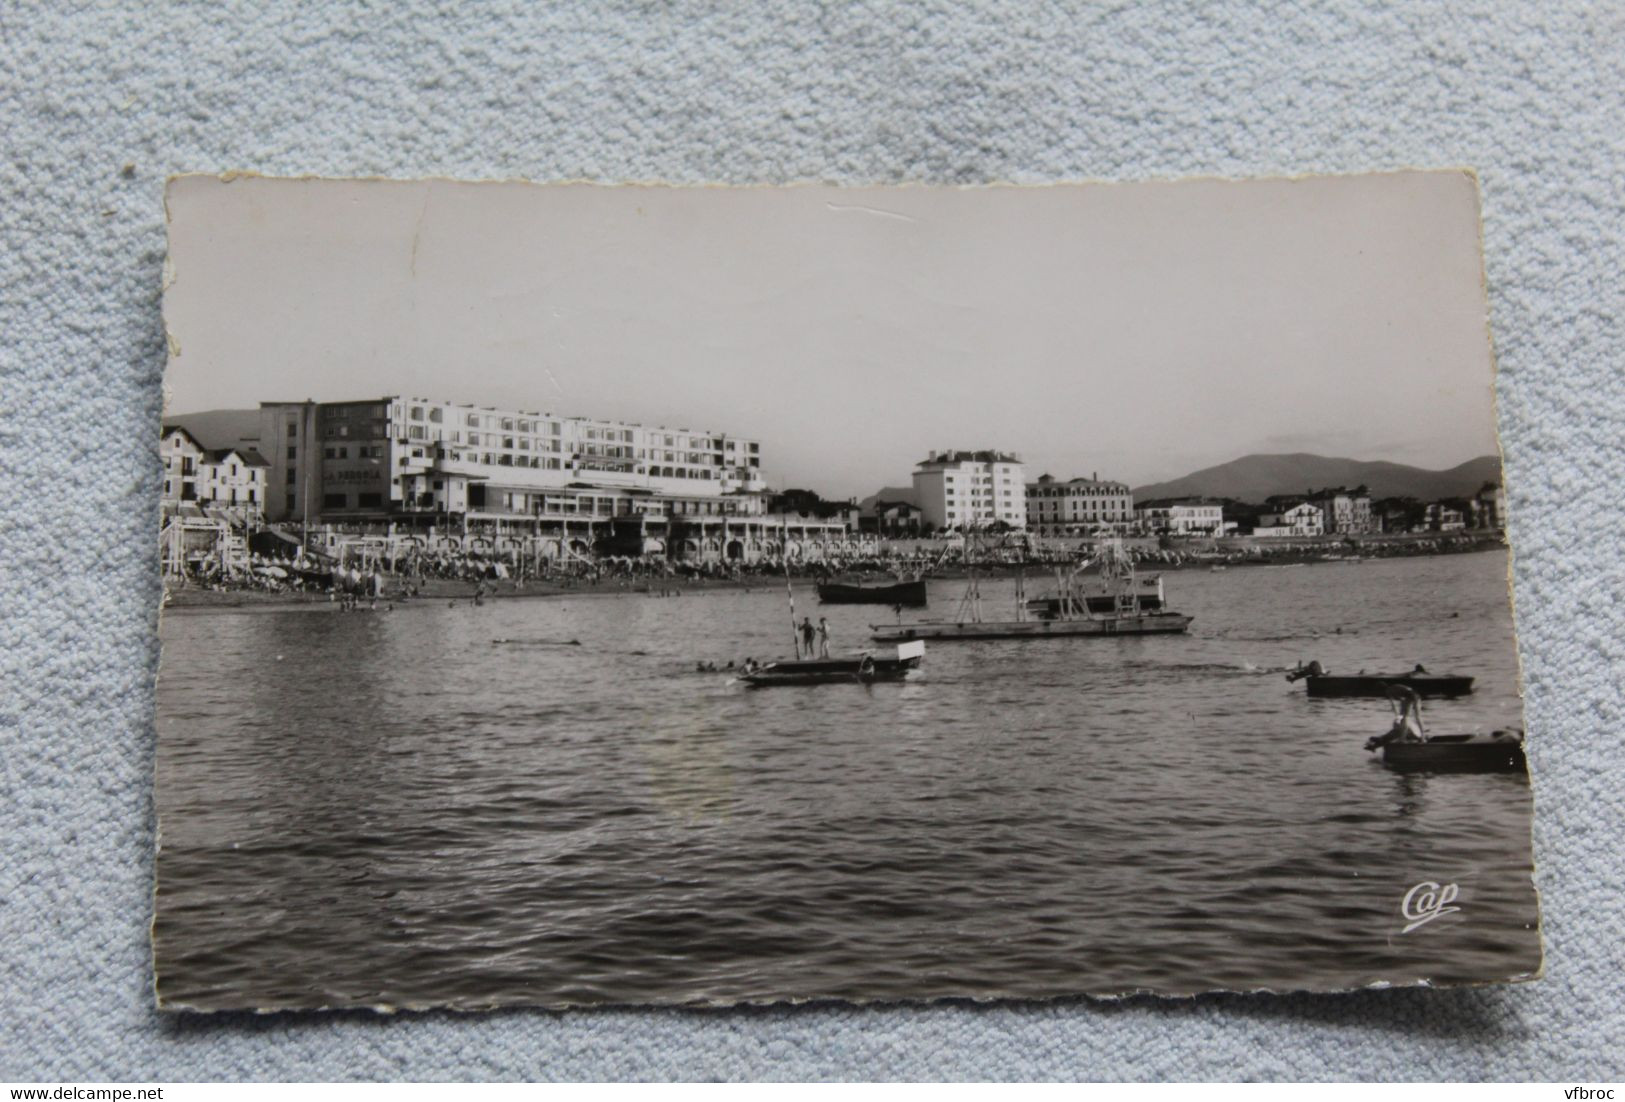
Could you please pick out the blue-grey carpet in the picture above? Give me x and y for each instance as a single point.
(100, 104)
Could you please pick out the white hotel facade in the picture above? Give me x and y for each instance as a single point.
(964, 490)
(413, 464)
(405, 457)
(1078, 506)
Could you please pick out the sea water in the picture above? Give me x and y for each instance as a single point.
(393, 809)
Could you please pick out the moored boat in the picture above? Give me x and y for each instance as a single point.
(862, 669)
(1377, 685)
(1408, 747)
(1496, 752)
(910, 594)
(1156, 623)
(1101, 594)
(1075, 611)
(1321, 683)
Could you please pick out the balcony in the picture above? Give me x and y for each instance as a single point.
(443, 460)
(597, 472)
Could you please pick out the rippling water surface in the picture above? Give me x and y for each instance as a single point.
(393, 810)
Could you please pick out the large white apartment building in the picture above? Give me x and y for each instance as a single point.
(962, 490)
(399, 457)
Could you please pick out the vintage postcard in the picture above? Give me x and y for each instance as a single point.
(589, 595)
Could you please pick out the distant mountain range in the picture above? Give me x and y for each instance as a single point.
(1252, 478)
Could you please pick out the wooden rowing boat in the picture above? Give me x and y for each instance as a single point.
(1321, 683)
(863, 669)
(1497, 752)
(1429, 685)
(909, 594)
(1408, 747)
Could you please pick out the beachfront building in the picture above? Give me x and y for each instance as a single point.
(1344, 512)
(446, 471)
(892, 519)
(1078, 507)
(1489, 507)
(212, 499)
(1180, 516)
(403, 458)
(228, 482)
(1302, 520)
(965, 490)
(1441, 516)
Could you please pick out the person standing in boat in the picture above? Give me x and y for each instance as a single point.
(1407, 707)
(808, 634)
(1407, 719)
(823, 637)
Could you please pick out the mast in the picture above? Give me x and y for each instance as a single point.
(971, 603)
(795, 637)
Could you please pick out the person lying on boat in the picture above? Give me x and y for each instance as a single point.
(1407, 726)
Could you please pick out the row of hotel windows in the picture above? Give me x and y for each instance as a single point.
(608, 451)
(1076, 491)
(952, 515)
(188, 492)
(581, 463)
(477, 420)
(492, 459)
(435, 416)
(373, 429)
(339, 419)
(520, 502)
(523, 444)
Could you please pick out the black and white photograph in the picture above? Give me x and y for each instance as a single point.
(586, 595)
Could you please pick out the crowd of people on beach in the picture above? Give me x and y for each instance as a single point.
(372, 573)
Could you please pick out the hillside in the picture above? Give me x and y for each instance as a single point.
(220, 428)
(1253, 478)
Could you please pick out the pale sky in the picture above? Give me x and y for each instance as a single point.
(1140, 330)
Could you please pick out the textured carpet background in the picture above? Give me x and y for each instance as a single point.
(97, 106)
